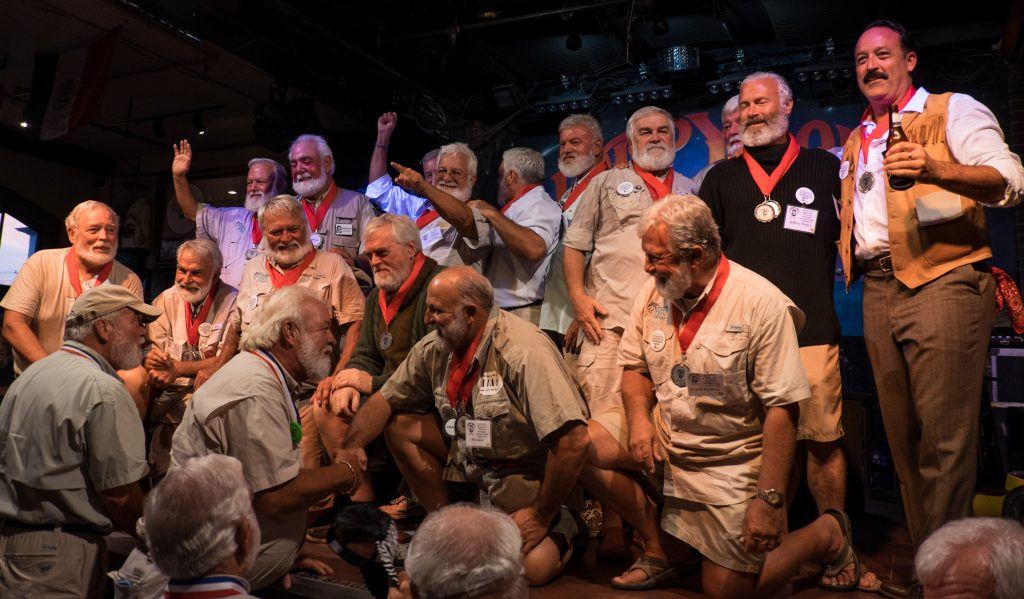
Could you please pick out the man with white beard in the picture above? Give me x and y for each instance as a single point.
(580, 147)
(775, 206)
(233, 228)
(292, 261)
(448, 226)
(41, 295)
(336, 216)
(186, 339)
(382, 191)
(72, 451)
(247, 410)
(731, 136)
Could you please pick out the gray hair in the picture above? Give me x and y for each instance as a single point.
(690, 225)
(402, 229)
(459, 148)
(465, 551)
(731, 105)
(525, 162)
(473, 287)
(77, 330)
(582, 120)
(279, 183)
(785, 93)
(998, 542)
(205, 249)
(282, 204)
(431, 155)
(322, 148)
(647, 111)
(284, 305)
(190, 519)
(72, 218)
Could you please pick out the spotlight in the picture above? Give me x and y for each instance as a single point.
(666, 93)
(642, 96)
(563, 107)
(573, 42)
(552, 108)
(586, 103)
(847, 74)
(23, 124)
(539, 109)
(630, 99)
(575, 105)
(232, 192)
(801, 76)
(617, 100)
(727, 87)
(713, 88)
(197, 124)
(832, 74)
(817, 75)
(660, 26)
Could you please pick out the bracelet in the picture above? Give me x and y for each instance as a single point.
(381, 146)
(355, 477)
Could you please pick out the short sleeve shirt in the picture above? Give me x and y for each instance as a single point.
(605, 226)
(344, 222)
(556, 312)
(42, 291)
(231, 229)
(748, 342)
(447, 247)
(65, 438)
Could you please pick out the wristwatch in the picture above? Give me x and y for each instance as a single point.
(771, 497)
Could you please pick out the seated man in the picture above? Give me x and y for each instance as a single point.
(513, 421)
(72, 451)
(205, 550)
(39, 299)
(972, 557)
(247, 411)
(465, 551)
(382, 191)
(186, 339)
(712, 376)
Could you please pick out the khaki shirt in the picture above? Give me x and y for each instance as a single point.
(231, 229)
(327, 275)
(713, 439)
(345, 221)
(68, 430)
(43, 292)
(443, 243)
(605, 225)
(524, 390)
(245, 411)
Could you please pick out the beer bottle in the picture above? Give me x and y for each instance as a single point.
(896, 135)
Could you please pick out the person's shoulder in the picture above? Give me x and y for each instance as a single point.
(351, 195)
(755, 287)
(47, 258)
(820, 155)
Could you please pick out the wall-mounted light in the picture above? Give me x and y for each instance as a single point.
(197, 124)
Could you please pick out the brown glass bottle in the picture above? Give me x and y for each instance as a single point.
(896, 135)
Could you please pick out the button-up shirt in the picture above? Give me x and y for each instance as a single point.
(390, 198)
(973, 137)
(231, 229)
(343, 225)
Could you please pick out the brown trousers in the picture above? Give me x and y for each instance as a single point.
(928, 348)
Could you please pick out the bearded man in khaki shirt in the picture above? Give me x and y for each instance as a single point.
(711, 380)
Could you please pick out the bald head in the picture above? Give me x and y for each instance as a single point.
(459, 300)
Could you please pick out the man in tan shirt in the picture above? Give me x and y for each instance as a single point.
(187, 338)
(712, 376)
(512, 418)
(49, 282)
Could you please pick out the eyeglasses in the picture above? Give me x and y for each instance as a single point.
(455, 173)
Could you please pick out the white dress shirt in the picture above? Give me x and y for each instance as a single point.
(390, 198)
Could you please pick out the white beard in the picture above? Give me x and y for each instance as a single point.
(459, 193)
(308, 187)
(125, 352)
(195, 295)
(673, 288)
(735, 144)
(571, 169)
(291, 254)
(655, 158)
(316, 362)
(255, 201)
(772, 129)
(390, 280)
(97, 259)
(454, 334)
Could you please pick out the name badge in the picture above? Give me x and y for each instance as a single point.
(490, 383)
(707, 384)
(343, 227)
(658, 340)
(478, 434)
(431, 236)
(803, 220)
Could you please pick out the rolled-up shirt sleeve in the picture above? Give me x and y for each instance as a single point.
(390, 198)
(976, 139)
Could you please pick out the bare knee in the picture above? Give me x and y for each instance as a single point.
(543, 563)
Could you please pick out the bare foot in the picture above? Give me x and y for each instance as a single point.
(837, 542)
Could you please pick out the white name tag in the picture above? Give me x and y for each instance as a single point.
(343, 229)
(430, 236)
(705, 384)
(801, 219)
(478, 434)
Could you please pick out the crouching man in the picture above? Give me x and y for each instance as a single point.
(485, 399)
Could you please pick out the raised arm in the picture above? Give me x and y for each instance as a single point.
(379, 158)
(453, 210)
(179, 171)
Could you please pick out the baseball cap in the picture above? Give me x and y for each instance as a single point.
(104, 299)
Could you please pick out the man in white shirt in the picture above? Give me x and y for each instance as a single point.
(382, 191)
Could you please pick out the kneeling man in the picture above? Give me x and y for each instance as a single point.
(514, 422)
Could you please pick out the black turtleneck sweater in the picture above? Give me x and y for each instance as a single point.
(801, 265)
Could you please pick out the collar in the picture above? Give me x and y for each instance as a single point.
(916, 104)
(94, 355)
(686, 305)
(276, 267)
(217, 585)
(289, 380)
(487, 336)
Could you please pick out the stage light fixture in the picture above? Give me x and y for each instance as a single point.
(666, 93)
(801, 77)
(573, 42)
(232, 192)
(713, 88)
(617, 100)
(563, 107)
(586, 103)
(630, 99)
(816, 76)
(642, 97)
(727, 87)
(197, 124)
(832, 74)
(23, 124)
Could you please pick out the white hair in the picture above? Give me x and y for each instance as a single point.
(76, 329)
(997, 542)
(466, 551)
(282, 204)
(190, 519)
(583, 120)
(322, 149)
(647, 111)
(525, 162)
(279, 183)
(785, 93)
(731, 105)
(431, 155)
(204, 249)
(284, 305)
(402, 228)
(72, 218)
(460, 148)
(689, 223)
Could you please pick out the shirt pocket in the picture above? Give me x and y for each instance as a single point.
(627, 208)
(251, 307)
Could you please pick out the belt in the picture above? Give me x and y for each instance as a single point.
(74, 527)
(881, 263)
(529, 305)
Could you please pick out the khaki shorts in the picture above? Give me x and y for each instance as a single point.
(51, 563)
(821, 415)
(714, 530)
(600, 378)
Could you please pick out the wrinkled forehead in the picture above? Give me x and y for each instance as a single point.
(260, 170)
(766, 87)
(453, 160)
(575, 132)
(97, 215)
(875, 38)
(304, 149)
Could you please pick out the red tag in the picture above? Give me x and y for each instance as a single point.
(879, 131)
(388, 310)
(460, 378)
(580, 186)
(192, 324)
(765, 183)
(315, 218)
(656, 187)
(686, 333)
(426, 218)
(288, 277)
(71, 261)
(525, 191)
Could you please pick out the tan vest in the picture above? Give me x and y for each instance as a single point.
(919, 253)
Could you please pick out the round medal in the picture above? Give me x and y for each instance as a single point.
(317, 240)
(679, 375)
(765, 212)
(205, 329)
(449, 427)
(385, 341)
(252, 303)
(460, 425)
(844, 169)
(251, 253)
(804, 195)
(625, 188)
(866, 182)
(190, 355)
